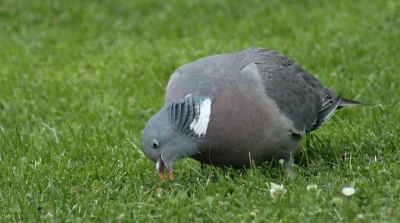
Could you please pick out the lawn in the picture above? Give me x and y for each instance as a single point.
(80, 79)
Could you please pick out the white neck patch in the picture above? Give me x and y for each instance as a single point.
(200, 125)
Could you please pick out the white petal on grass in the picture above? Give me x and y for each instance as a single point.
(48, 215)
(121, 217)
(348, 191)
(312, 187)
(276, 189)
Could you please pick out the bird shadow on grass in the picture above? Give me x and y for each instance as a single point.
(317, 154)
(210, 174)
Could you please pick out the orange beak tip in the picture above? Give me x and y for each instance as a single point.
(171, 176)
(162, 177)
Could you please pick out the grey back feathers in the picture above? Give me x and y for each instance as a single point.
(298, 94)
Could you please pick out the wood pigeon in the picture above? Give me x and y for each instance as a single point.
(237, 109)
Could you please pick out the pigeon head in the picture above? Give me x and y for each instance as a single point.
(175, 132)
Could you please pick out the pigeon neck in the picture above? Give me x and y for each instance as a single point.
(190, 115)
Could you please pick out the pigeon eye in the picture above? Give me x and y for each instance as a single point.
(154, 143)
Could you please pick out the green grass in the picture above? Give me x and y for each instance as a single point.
(79, 80)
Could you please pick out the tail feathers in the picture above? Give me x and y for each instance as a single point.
(348, 103)
(331, 102)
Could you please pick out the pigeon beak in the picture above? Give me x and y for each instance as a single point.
(160, 167)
